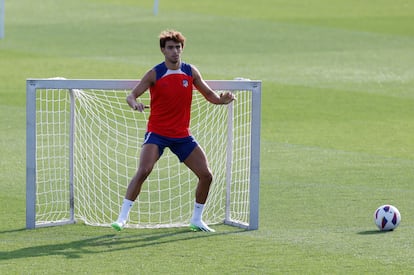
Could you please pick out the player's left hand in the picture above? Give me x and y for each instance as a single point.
(227, 97)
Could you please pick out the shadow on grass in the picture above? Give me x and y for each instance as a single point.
(374, 232)
(109, 243)
(13, 230)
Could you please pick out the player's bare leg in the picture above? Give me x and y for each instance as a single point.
(149, 156)
(197, 162)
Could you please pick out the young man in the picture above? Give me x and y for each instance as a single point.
(171, 87)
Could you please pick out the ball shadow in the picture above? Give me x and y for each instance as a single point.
(373, 232)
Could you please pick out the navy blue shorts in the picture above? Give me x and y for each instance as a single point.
(181, 147)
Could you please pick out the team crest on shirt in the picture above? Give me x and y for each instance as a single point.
(185, 83)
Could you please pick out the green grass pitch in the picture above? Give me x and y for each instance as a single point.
(337, 130)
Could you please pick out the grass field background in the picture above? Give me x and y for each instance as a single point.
(337, 130)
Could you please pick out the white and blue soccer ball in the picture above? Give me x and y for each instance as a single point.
(387, 217)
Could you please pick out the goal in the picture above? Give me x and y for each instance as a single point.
(83, 144)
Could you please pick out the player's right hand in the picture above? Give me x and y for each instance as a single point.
(132, 102)
(139, 106)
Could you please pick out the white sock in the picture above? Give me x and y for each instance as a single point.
(126, 207)
(198, 212)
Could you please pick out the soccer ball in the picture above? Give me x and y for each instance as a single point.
(387, 217)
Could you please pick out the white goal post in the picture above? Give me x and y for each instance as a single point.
(82, 148)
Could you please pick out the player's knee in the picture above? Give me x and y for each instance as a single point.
(143, 172)
(206, 177)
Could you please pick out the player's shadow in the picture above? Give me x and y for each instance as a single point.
(108, 243)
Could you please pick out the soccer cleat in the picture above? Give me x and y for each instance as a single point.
(118, 226)
(200, 226)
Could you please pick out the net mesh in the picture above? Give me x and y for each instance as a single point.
(108, 136)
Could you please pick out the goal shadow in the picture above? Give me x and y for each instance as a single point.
(109, 243)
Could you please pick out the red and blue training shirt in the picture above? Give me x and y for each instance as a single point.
(171, 97)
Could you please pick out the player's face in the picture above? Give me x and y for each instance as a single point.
(172, 51)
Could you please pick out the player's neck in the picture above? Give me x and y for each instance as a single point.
(173, 65)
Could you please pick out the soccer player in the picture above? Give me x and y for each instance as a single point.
(171, 87)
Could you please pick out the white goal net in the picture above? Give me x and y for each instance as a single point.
(83, 146)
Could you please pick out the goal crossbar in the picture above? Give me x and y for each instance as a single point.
(65, 169)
